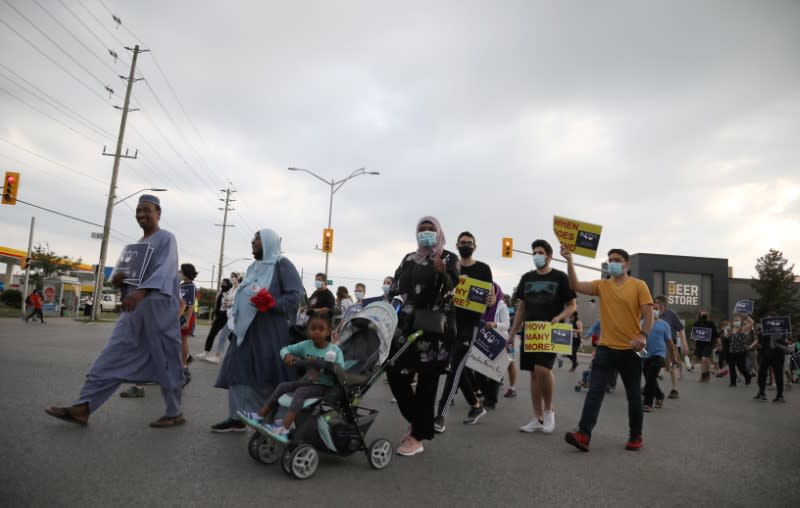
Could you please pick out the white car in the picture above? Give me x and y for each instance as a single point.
(109, 303)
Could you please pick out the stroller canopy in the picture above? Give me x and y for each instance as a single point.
(374, 325)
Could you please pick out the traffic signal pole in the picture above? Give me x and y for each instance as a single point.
(28, 266)
(98, 285)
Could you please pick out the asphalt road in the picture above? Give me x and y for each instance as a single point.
(714, 446)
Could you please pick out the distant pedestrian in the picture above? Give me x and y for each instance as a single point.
(36, 304)
(220, 319)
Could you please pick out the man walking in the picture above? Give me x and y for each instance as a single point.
(145, 344)
(624, 300)
(466, 325)
(36, 303)
(544, 294)
(678, 333)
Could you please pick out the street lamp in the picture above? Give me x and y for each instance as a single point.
(335, 186)
(98, 284)
(153, 189)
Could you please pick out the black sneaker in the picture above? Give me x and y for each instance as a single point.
(673, 394)
(779, 398)
(134, 392)
(474, 415)
(187, 376)
(760, 396)
(229, 425)
(438, 424)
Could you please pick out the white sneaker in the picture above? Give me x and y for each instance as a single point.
(212, 359)
(532, 426)
(202, 355)
(549, 422)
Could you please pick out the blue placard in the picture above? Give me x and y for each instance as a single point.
(700, 334)
(478, 295)
(587, 240)
(743, 306)
(559, 336)
(367, 301)
(489, 342)
(188, 293)
(778, 325)
(133, 262)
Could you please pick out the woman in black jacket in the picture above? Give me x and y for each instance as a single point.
(423, 281)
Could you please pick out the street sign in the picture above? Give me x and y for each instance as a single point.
(97, 236)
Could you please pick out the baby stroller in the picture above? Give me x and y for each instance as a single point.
(336, 423)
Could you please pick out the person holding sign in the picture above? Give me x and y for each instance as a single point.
(773, 345)
(543, 296)
(145, 344)
(469, 307)
(623, 301)
(422, 281)
(704, 345)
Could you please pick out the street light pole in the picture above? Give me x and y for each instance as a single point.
(335, 186)
(152, 189)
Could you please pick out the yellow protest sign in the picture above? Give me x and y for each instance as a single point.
(544, 337)
(471, 294)
(582, 238)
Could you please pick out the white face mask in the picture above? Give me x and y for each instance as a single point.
(318, 284)
(386, 288)
(359, 295)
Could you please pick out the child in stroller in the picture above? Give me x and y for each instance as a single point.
(335, 422)
(314, 384)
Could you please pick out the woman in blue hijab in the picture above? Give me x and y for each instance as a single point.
(252, 366)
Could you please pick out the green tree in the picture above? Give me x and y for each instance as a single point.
(45, 262)
(776, 286)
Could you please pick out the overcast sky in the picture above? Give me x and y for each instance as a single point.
(674, 125)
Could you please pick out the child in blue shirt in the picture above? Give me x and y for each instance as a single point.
(314, 383)
(656, 347)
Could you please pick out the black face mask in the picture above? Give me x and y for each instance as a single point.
(465, 251)
(226, 287)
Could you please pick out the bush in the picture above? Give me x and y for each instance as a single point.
(12, 298)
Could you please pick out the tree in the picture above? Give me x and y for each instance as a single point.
(46, 262)
(776, 286)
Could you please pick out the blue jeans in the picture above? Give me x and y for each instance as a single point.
(629, 366)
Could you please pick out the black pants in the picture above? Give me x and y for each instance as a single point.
(35, 312)
(458, 357)
(220, 321)
(489, 387)
(652, 366)
(772, 358)
(738, 360)
(416, 406)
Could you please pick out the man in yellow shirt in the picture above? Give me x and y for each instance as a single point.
(626, 316)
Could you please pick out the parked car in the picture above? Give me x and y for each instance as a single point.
(110, 303)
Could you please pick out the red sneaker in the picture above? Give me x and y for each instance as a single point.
(578, 439)
(634, 443)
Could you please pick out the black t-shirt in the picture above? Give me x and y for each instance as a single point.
(420, 283)
(544, 295)
(467, 320)
(322, 298)
(706, 323)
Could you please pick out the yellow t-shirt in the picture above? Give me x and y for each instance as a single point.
(620, 310)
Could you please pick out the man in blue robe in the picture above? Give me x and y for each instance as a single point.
(145, 345)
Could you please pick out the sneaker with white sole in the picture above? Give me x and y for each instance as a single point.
(203, 355)
(438, 424)
(212, 359)
(532, 426)
(549, 424)
(410, 447)
(474, 415)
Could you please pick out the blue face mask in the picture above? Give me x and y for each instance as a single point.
(615, 269)
(539, 260)
(426, 238)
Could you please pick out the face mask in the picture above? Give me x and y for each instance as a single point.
(466, 252)
(385, 288)
(426, 238)
(737, 324)
(226, 287)
(359, 295)
(726, 329)
(656, 314)
(615, 269)
(318, 284)
(539, 260)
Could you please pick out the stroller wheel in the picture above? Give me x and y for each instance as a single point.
(286, 459)
(304, 461)
(380, 453)
(264, 449)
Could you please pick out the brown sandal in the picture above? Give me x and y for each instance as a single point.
(168, 421)
(63, 413)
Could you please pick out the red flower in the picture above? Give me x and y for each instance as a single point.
(263, 300)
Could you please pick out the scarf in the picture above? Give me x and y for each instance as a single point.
(259, 275)
(423, 253)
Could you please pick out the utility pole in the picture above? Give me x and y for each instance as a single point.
(28, 264)
(224, 226)
(98, 286)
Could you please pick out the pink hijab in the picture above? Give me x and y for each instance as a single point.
(424, 252)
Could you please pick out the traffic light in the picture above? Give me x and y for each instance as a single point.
(508, 247)
(10, 187)
(327, 240)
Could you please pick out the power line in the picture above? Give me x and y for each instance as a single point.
(47, 115)
(54, 43)
(69, 216)
(52, 161)
(54, 103)
(80, 2)
(102, 43)
(34, 46)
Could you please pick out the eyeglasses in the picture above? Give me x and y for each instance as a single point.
(466, 244)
